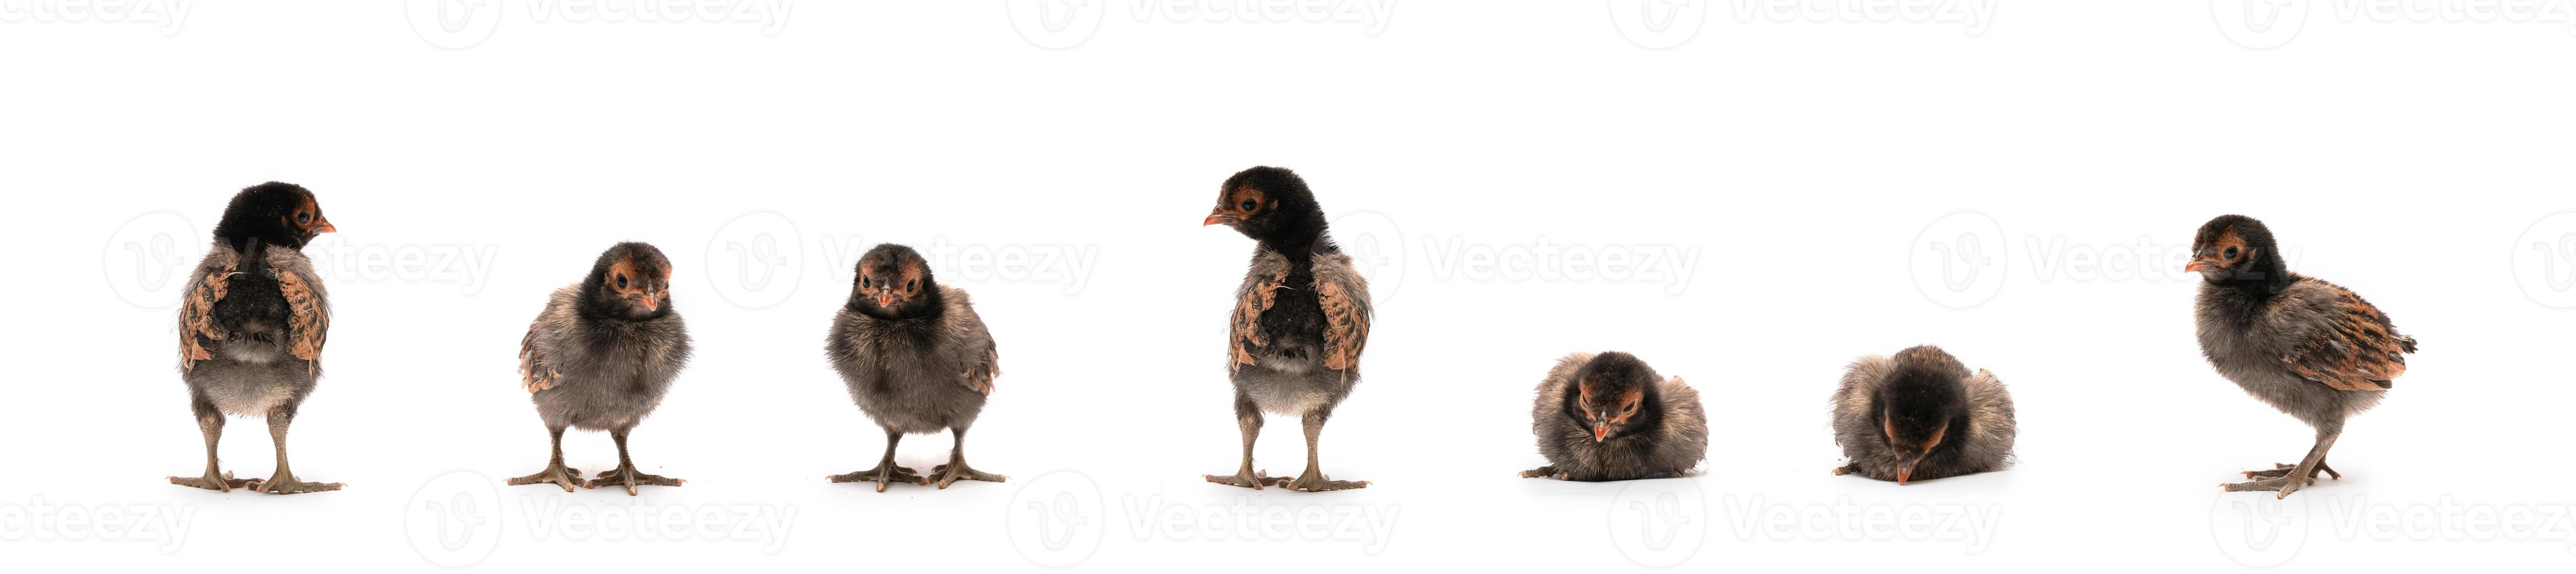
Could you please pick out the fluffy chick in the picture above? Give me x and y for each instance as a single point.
(916, 359)
(2310, 348)
(601, 356)
(252, 327)
(1610, 417)
(1921, 415)
(1299, 322)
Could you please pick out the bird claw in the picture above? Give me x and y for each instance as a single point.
(1245, 479)
(557, 475)
(951, 473)
(631, 478)
(287, 484)
(1314, 481)
(2280, 470)
(220, 483)
(2284, 485)
(880, 476)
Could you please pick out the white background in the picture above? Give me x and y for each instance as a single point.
(1808, 164)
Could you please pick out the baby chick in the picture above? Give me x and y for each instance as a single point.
(1300, 318)
(1921, 415)
(252, 326)
(2305, 346)
(916, 359)
(1610, 417)
(600, 358)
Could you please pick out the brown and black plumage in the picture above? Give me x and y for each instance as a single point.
(1610, 417)
(1921, 415)
(601, 356)
(916, 358)
(252, 325)
(1300, 318)
(2310, 348)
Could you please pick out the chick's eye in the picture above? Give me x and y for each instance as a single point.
(621, 281)
(1249, 205)
(910, 284)
(303, 217)
(2230, 254)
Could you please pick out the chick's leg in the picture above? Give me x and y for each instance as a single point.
(625, 473)
(2297, 476)
(956, 468)
(1543, 472)
(1247, 417)
(1314, 480)
(885, 472)
(555, 473)
(211, 423)
(284, 481)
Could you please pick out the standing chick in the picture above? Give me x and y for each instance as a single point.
(916, 359)
(1610, 417)
(251, 329)
(1300, 318)
(600, 358)
(1921, 415)
(2305, 346)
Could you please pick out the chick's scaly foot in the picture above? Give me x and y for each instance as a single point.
(2281, 470)
(1246, 479)
(1315, 481)
(950, 473)
(1543, 472)
(883, 474)
(211, 481)
(557, 475)
(287, 484)
(627, 475)
(2285, 485)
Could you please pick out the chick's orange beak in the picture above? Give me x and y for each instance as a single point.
(651, 303)
(885, 299)
(1904, 471)
(2200, 265)
(1221, 217)
(1600, 433)
(323, 225)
